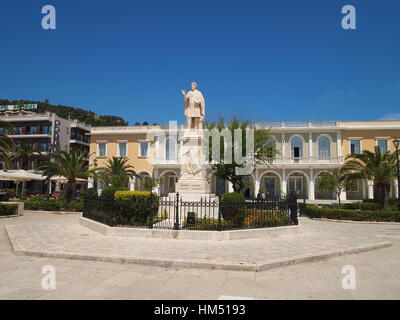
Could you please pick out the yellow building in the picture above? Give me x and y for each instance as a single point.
(305, 149)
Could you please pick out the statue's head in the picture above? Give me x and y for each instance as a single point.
(194, 85)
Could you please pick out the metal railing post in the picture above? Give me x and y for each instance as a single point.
(219, 214)
(150, 213)
(176, 224)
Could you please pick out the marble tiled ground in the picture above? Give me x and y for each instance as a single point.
(318, 240)
(377, 272)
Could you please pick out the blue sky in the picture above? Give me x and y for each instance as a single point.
(261, 60)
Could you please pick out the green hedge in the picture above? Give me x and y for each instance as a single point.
(235, 214)
(135, 208)
(353, 215)
(8, 209)
(361, 206)
(39, 203)
(391, 201)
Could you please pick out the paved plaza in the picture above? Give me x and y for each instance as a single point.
(377, 271)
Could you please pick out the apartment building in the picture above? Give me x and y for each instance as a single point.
(46, 132)
(305, 150)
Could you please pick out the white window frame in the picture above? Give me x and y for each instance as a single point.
(119, 151)
(293, 136)
(98, 148)
(383, 138)
(295, 178)
(330, 145)
(140, 149)
(356, 138)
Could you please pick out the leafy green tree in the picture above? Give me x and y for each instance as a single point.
(263, 153)
(375, 166)
(336, 181)
(71, 165)
(116, 173)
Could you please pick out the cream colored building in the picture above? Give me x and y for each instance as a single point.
(305, 149)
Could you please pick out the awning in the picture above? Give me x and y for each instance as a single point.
(20, 175)
(63, 179)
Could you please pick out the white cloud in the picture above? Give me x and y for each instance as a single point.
(391, 116)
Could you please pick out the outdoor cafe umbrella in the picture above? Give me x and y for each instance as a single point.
(20, 176)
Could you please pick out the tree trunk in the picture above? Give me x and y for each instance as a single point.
(70, 192)
(380, 195)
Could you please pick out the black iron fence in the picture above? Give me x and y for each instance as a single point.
(206, 214)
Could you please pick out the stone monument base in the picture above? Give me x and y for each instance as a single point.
(193, 189)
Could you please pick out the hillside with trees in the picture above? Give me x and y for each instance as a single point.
(62, 111)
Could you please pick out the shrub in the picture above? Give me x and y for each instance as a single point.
(108, 192)
(59, 204)
(90, 193)
(8, 209)
(231, 209)
(135, 207)
(353, 215)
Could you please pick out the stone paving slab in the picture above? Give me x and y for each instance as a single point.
(319, 240)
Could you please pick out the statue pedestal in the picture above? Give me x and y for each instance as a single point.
(193, 185)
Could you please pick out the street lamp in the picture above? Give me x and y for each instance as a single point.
(396, 145)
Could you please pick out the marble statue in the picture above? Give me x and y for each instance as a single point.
(194, 107)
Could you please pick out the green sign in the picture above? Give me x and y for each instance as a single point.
(18, 107)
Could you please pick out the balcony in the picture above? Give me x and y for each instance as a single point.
(307, 161)
(296, 124)
(31, 116)
(31, 132)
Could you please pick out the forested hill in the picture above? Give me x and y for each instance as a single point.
(88, 117)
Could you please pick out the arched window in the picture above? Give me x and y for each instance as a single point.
(324, 147)
(296, 146)
(170, 149)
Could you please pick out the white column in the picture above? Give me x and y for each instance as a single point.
(310, 146)
(396, 188)
(256, 183)
(90, 182)
(364, 188)
(339, 144)
(283, 146)
(230, 186)
(155, 176)
(283, 184)
(370, 190)
(343, 196)
(132, 184)
(311, 188)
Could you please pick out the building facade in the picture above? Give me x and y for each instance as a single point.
(47, 132)
(44, 133)
(305, 149)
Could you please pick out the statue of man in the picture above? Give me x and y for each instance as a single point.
(194, 107)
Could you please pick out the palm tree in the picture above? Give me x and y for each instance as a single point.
(71, 165)
(116, 173)
(6, 143)
(23, 153)
(375, 166)
(336, 181)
